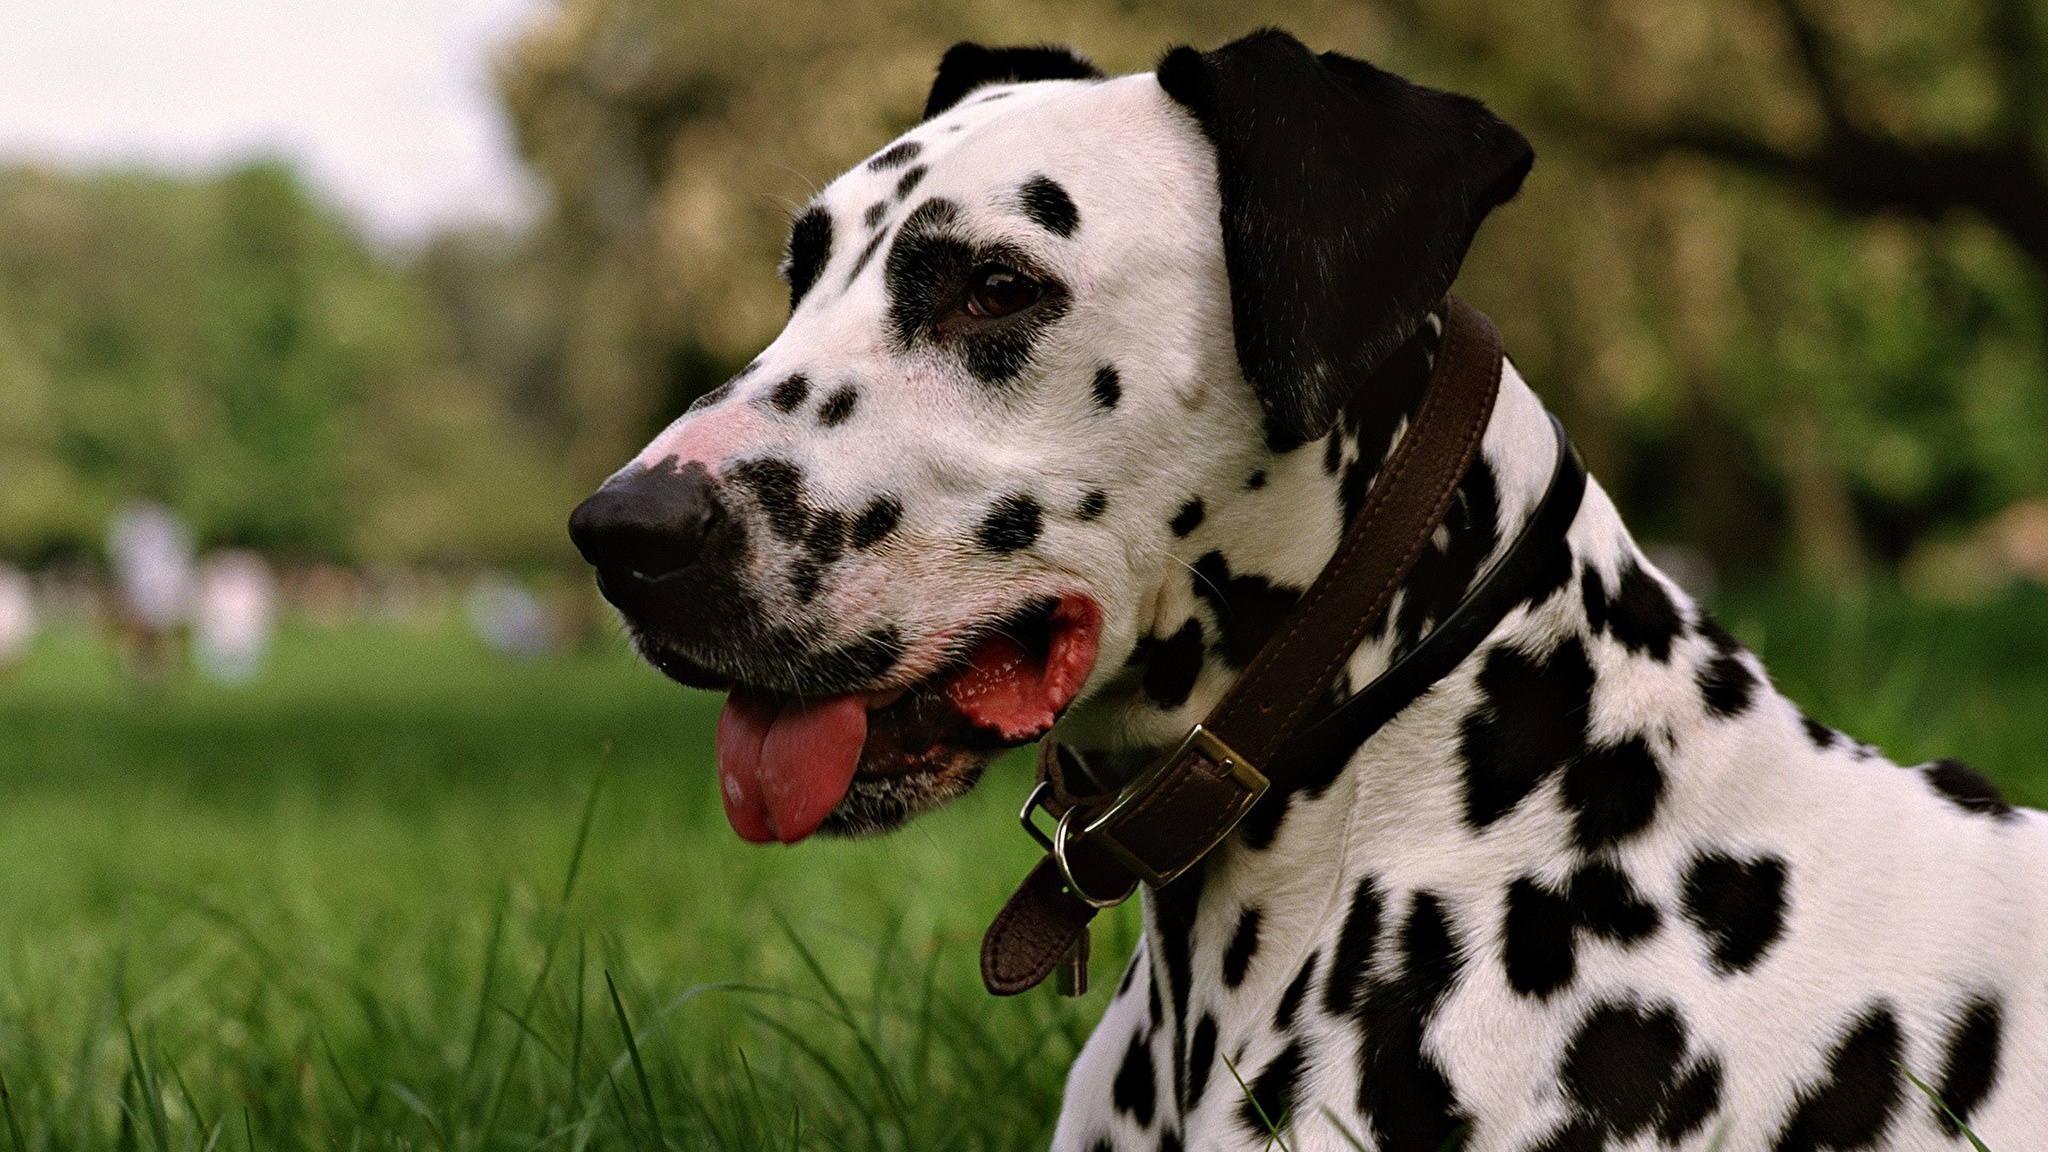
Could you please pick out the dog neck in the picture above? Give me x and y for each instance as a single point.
(1225, 587)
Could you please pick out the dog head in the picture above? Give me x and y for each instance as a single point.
(937, 510)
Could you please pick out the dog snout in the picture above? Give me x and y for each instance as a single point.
(652, 526)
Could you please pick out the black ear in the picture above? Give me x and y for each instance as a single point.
(967, 66)
(1349, 198)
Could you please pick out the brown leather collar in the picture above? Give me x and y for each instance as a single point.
(1178, 810)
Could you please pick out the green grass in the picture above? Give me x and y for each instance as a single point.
(399, 895)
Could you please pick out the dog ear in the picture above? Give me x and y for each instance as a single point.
(1349, 198)
(967, 66)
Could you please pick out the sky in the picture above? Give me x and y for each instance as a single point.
(385, 105)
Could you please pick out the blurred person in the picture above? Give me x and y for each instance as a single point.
(234, 613)
(509, 618)
(150, 552)
(17, 616)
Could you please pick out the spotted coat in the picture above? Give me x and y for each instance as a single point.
(1602, 887)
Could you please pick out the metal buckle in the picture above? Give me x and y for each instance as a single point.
(1033, 803)
(1198, 740)
(1060, 836)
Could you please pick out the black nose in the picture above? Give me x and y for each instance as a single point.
(648, 524)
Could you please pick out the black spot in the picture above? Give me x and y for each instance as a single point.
(1351, 964)
(1256, 480)
(1537, 939)
(1966, 788)
(1130, 974)
(923, 267)
(876, 521)
(897, 156)
(1532, 722)
(1401, 1089)
(1169, 1141)
(838, 406)
(1726, 683)
(810, 247)
(1375, 411)
(1823, 737)
(1593, 599)
(1606, 904)
(1621, 1064)
(1108, 387)
(1049, 206)
(805, 578)
(966, 67)
(1333, 456)
(1173, 665)
(1854, 1105)
(1172, 909)
(826, 540)
(1136, 1089)
(792, 392)
(1154, 1014)
(925, 275)
(1092, 504)
(1613, 790)
(1201, 1054)
(1270, 1105)
(779, 487)
(1248, 609)
(1738, 905)
(712, 398)
(1441, 575)
(1244, 944)
(1625, 1071)
(1641, 614)
(1694, 1099)
(876, 213)
(1970, 1067)
(1189, 517)
(1553, 575)
(910, 181)
(867, 254)
(1539, 930)
(1013, 524)
(1290, 1000)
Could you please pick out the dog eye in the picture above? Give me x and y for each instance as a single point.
(999, 290)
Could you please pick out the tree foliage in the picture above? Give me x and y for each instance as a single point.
(226, 345)
(1775, 264)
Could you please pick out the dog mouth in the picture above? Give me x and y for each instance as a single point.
(864, 761)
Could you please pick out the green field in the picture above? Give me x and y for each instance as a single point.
(346, 907)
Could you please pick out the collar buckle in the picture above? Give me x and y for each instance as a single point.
(1163, 822)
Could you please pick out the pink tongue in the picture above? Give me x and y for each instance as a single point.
(784, 763)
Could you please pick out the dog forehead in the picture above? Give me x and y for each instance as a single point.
(1088, 135)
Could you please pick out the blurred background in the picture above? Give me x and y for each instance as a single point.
(315, 323)
(377, 294)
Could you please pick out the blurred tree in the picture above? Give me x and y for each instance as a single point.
(229, 347)
(1834, 233)
(1728, 270)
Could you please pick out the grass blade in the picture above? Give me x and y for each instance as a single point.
(1943, 1105)
(152, 1094)
(639, 1068)
(13, 1124)
(604, 761)
(483, 996)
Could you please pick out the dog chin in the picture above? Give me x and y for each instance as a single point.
(879, 804)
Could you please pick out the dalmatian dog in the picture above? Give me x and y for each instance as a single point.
(1081, 380)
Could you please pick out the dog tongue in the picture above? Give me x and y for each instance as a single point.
(785, 762)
